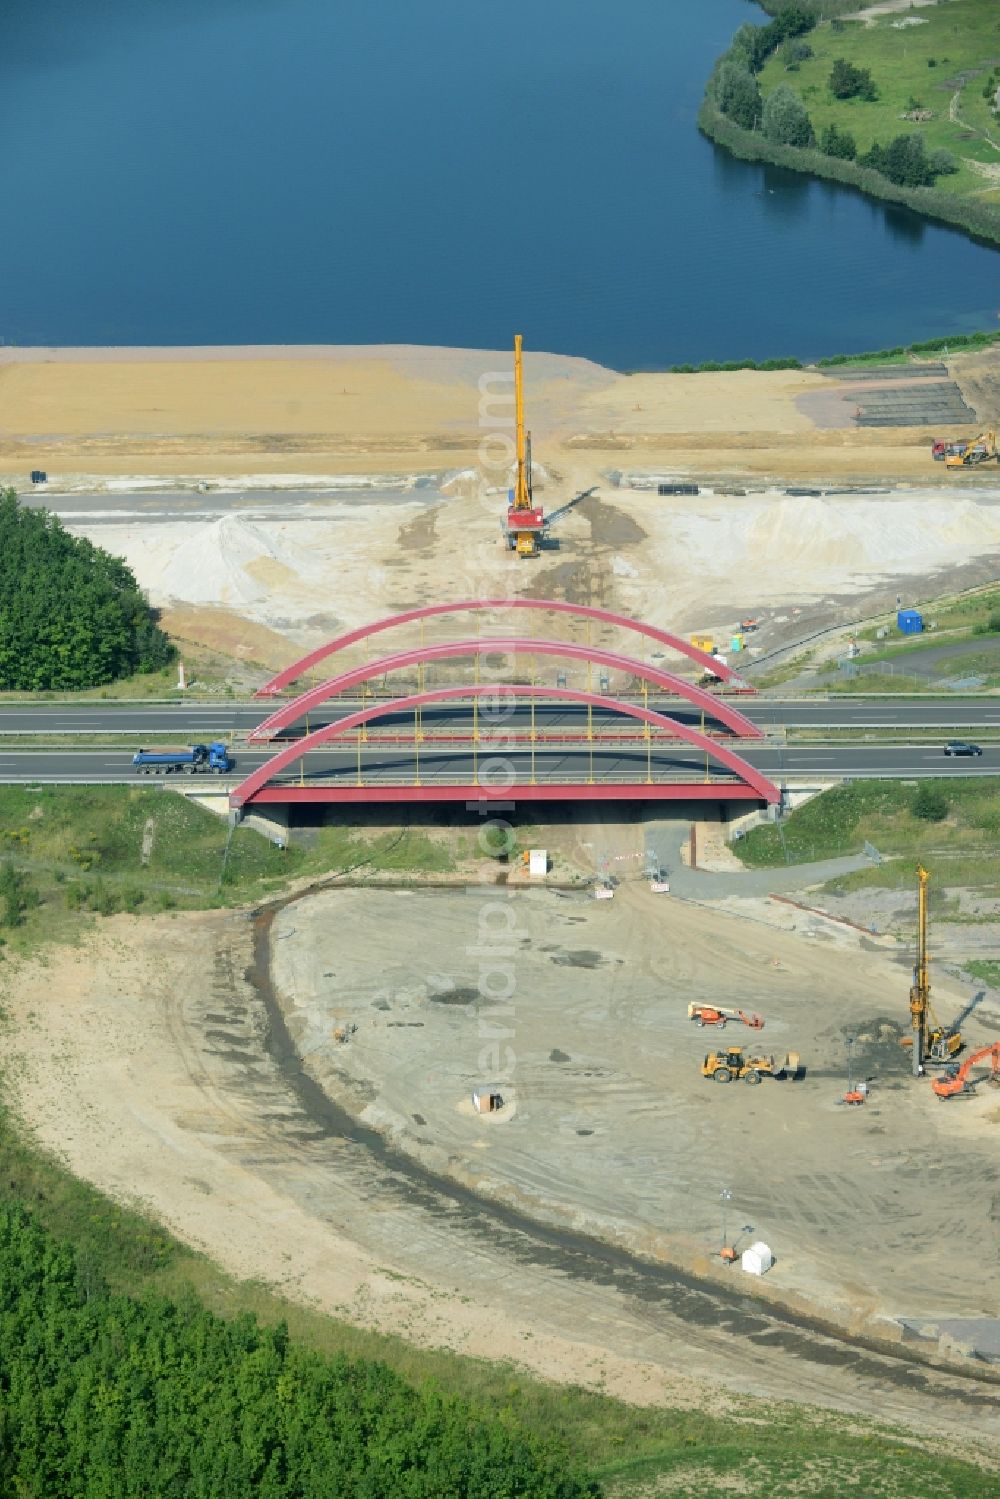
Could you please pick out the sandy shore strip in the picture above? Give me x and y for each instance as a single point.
(323, 409)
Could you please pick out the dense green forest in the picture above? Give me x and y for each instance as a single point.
(71, 615)
(104, 1396)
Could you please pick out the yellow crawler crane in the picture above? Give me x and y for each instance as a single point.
(931, 1041)
(525, 520)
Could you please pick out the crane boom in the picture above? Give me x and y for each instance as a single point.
(522, 499)
(920, 988)
(525, 520)
(930, 1038)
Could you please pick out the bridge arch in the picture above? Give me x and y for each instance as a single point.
(428, 611)
(259, 778)
(715, 707)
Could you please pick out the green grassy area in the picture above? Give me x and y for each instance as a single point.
(958, 619)
(950, 53)
(951, 869)
(985, 969)
(79, 849)
(783, 672)
(965, 610)
(212, 676)
(146, 684)
(840, 820)
(770, 1448)
(954, 617)
(875, 684)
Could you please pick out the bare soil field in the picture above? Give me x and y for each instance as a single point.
(152, 1062)
(330, 410)
(576, 1010)
(315, 489)
(260, 576)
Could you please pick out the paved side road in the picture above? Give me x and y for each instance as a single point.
(668, 838)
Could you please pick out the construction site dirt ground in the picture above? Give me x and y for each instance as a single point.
(160, 1061)
(316, 489)
(262, 576)
(341, 409)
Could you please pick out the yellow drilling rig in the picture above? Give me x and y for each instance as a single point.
(931, 1041)
(525, 520)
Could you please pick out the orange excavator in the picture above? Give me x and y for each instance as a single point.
(715, 1015)
(957, 1081)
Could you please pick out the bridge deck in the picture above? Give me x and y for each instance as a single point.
(540, 791)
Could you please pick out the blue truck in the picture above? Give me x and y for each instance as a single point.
(200, 757)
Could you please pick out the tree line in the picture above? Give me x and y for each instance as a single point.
(71, 615)
(107, 1396)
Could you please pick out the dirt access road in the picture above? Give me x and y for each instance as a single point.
(150, 1063)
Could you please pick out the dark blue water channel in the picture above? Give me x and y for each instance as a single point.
(429, 171)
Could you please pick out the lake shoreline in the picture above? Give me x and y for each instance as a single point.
(978, 222)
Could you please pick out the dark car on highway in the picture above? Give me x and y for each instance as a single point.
(962, 747)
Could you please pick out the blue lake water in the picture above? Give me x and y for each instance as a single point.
(330, 171)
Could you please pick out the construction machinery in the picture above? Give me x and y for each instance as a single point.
(716, 1015)
(959, 1080)
(525, 519)
(930, 1039)
(723, 1066)
(981, 449)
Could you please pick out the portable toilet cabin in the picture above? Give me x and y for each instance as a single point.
(909, 621)
(758, 1259)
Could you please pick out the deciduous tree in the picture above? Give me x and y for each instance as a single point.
(849, 82)
(784, 118)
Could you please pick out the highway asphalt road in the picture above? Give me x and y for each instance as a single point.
(807, 764)
(203, 721)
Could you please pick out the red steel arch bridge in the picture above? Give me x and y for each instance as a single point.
(388, 735)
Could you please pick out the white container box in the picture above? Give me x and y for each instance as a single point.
(758, 1259)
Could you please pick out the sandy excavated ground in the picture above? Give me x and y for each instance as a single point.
(300, 570)
(140, 1060)
(611, 1126)
(408, 466)
(335, 410)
